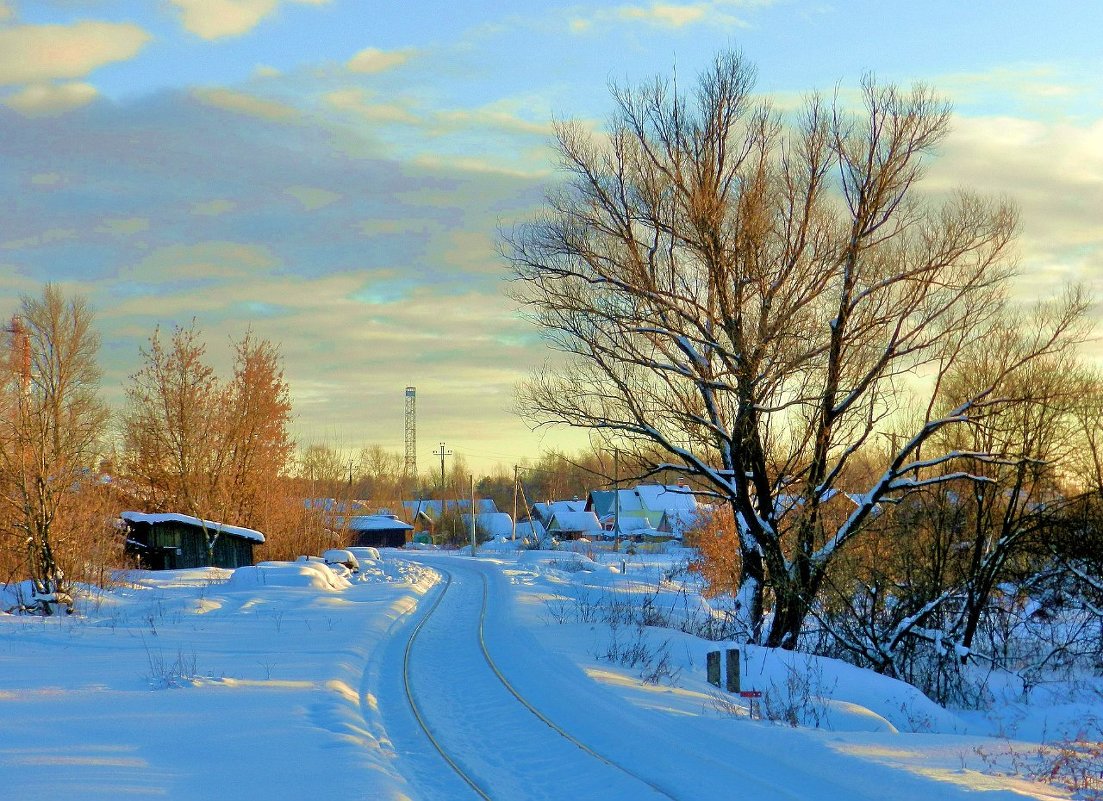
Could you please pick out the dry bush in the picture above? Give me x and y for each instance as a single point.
(89, 546)
(291, 529)
(717, 543)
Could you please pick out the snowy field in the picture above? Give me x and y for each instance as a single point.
(526, 670)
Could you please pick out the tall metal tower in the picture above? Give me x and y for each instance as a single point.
(409, 468)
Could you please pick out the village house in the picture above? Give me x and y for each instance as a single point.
(641, 510)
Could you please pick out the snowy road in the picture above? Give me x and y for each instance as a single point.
(484, 730)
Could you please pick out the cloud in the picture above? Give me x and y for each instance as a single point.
(1054, 172)
(372, 60)
(125, 226)
(213, 208)
(1026, 84)
(203, 260)
(6, 11)
(218, 19)
(357, 101)
(497, 137)
(48, 100)
(311, 197)
(244, 103)
(46, 179)
(165, 207)
(36, 54)
(671, 16)
(665, 15)
(45, 237)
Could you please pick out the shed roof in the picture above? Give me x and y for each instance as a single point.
(377, 523)
(188, 520)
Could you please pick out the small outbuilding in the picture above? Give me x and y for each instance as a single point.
(378, 531)
(169, 541)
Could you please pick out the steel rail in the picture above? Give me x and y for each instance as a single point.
(413, 703)
(423, 723)
(544, 718)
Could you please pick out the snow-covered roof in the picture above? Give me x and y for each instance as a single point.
(529, 527)
(377, 523)
(432, 508)
(626, 523)
(604, 502)
(335, 506)
(172, 517)
(493, 524)
(544, 510)
(657, 496)
(574, 521)
(677, 521)
(645, 497)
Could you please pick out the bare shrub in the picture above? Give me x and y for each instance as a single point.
(1073, 763)
(800, 700)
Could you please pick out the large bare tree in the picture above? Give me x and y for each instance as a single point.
(757, 296)
(51, 426)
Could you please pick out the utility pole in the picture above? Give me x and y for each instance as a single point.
(472, 514)
(616, 499)
(442, 453)
(516, 470)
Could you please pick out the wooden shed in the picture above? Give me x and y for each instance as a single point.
(378, 531)
(169, 541)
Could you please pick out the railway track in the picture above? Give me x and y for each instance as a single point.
(534, 750)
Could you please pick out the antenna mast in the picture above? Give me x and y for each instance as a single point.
(409, 467)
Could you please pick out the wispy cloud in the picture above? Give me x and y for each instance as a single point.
(494, 137)
(244, 103)
(1038, 90)
(36, 54)
(1053, 172)
(213, 208)
(312, 197)
(358, 101)
(372, 60)
(662, 15)
(125, 226)
(48, 99)
(218, 19)
(215, 259)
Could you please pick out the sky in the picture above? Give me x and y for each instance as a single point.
(335, 174)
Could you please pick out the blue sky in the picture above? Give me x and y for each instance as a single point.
(334, 173)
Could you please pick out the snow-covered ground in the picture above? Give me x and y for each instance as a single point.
(287, 681)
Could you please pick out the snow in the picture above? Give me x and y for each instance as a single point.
(585, 522)
(659, 497)
(377, 523)
(314, 575)
(172, 517)
(286, 680)
(491, 524)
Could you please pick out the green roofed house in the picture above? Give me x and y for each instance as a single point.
(169, 541)
(643, 506)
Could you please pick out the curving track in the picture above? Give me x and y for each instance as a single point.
(491, 736)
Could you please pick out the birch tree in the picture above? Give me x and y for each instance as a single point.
(756, 295)
(51, 426)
